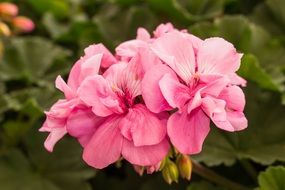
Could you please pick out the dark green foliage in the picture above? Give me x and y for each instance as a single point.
(64, 27)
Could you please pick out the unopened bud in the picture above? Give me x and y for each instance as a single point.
(139, 169)
(8, 10)
(4, 29)
(23, 24)
(170, 172)
(185, 166)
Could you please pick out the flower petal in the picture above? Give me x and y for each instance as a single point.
(87, 65)
(62, 86)
(54, 136)
(107, 60)
(142, 34)
(145, 155)
(187, 132)
(151, 92)
(145, 127)
(216, 110)
(81, 124)
(175, 93)
(177, 52)
(94, 91)
(130, 48)
(105, 146)
(234, 97)
(217, 56)
(237, 120)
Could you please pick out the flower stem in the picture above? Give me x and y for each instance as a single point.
(216, 178)
(249, 169)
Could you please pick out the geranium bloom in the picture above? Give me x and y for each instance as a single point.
(198, 78)
(127, 50)
(129, 129)
(70, 114)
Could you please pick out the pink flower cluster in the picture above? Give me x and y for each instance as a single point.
(156, 90)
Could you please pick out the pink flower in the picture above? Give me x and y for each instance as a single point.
(23, 24)
(8, 9)
(126, 50)
(128, 129)
(70, 115)
(198, 78)
(149, 169)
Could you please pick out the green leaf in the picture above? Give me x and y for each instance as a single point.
(33, 59)
(263, 141)
(251, 70)
(272, 178)
(60, 8)
(204, 9)
(125, 19)
(40, 170)
(202, 185)
(173, 9)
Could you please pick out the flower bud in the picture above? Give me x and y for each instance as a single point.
(8, 10)
(139, 169)
(4, 29)
(170, 172)
(23, 24)
(185, 166)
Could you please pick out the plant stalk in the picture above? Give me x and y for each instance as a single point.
(216, 178)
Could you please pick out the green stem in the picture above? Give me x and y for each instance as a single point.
(249, 169)
(216, 178)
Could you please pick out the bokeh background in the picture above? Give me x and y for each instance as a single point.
(30, 62)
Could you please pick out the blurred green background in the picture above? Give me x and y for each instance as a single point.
(31, 62)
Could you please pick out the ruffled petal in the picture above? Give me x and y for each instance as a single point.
(216, 110)
(175, 93)
(96, 92)
(105, 146)
(177, 52)
(187, 132)
(145, 155)
(54, 136)
(81, 124)
(107, 60)
(151, 92)
(234, 97)
(145, 127)
(217, 56)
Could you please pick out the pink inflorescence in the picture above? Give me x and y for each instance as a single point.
(155, 91)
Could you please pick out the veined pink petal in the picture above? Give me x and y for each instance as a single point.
(145, 155)
(62, 86)
(175, 93)
(237, 80)
(130, 48)
(215, 85)
(90, 67)
(151, 92)
(107, 60)
(94, 91)
(162, 29)
(177, 52)
(86, 66)
(237, 120)
(55, 133)
(81, 124)
(142, 34)
(234, 97)
(217, 56)
(105, 146)
(145, 127)
(187, 132)
(216, 110)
